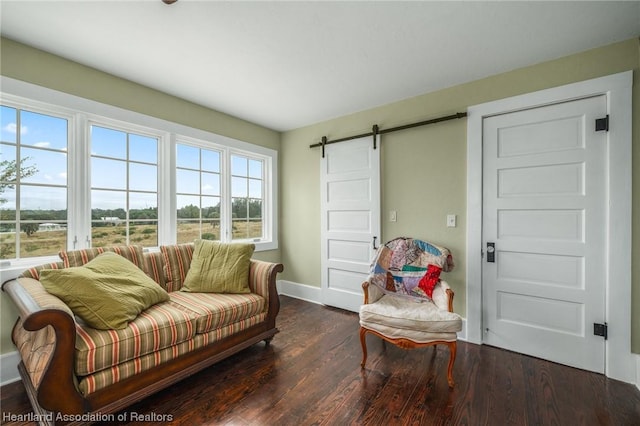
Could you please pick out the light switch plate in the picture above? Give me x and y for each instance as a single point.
(393, 216)
(451, 221)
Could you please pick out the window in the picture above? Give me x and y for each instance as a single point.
(198, 192)
(33, 183)
(124, 188)
(246, 197)
(221, 194)
(76, 173)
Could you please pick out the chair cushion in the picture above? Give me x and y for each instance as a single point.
(408, 314)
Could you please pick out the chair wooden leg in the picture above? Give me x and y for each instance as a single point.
(363, 342)
(452, 358)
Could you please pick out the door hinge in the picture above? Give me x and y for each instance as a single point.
(602, 124)
(601, 330)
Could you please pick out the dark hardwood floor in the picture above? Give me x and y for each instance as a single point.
(310, 375)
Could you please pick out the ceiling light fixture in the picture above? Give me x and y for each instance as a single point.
(169, 1)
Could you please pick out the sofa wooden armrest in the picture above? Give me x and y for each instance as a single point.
(47, 355)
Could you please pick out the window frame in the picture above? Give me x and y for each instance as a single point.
(82, 113)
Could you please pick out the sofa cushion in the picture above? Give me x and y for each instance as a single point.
(216, 310)
(161, 326)
(108, 376)
(219, 268)
(73, 258)
(107, 292)
(177, 259)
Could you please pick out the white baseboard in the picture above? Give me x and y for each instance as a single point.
(9, 368)
(299, 291)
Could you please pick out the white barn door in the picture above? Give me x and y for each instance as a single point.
(350, 191)
(544, 212)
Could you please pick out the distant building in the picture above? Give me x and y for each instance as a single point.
(112, 220)
(50, 227)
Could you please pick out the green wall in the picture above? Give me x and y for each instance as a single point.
(25, 63)
(424, 169)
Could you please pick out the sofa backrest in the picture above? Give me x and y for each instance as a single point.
(152, 263)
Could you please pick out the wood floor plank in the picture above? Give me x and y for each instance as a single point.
(311, 375)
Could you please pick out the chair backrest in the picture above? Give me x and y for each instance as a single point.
(409, 267)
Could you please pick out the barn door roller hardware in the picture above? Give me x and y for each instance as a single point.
(377, 131)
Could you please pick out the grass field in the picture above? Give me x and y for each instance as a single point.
(44, 243)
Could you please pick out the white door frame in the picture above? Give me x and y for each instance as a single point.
(619, 361)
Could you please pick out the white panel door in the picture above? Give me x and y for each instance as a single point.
(544, 205)
(350, 191)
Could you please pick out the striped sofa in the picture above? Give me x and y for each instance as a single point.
(70, 369)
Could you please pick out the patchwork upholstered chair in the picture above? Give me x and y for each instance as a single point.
(405, 301)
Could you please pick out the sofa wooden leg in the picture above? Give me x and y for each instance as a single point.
(452, 358)
(267, 341)
(363, 342)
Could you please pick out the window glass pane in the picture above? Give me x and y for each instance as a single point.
(111, 174)
(48, 167)
(210, 184)
(107, 233)
(210, 225)
(42, 198)
(187, 231)
(7, 242)
(239, 187)
(108, 142)
(187, 181)
(143, 148)
(106, 205)
(43, 131)
(188, 207)
(254, 228)
(8, 204)
(238, 166)
(143, 177)
(143, 204)
(210, 161)
(255, 209)
(8, 124)
(240, 230)
(239, 208)
(41, 239)
(255, 169)
(144, 233)
(255, 188)
(211, 207)
(188, 157)
(7, 169)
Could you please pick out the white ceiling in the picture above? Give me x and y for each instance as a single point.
(286, 64)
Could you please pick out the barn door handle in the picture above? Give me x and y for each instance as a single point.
(491, 252)
(374, 243)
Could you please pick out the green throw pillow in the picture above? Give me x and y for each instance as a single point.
(219, 268)
(107, 292)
